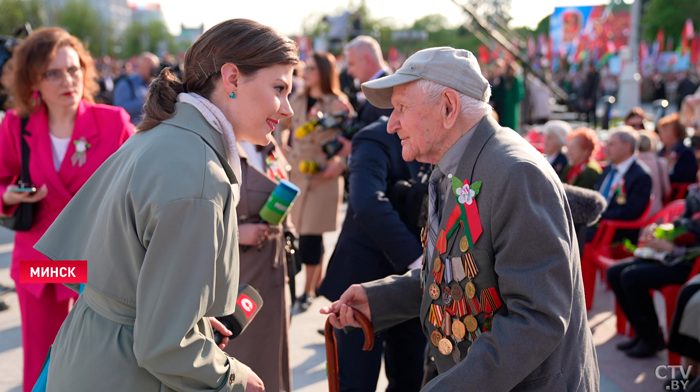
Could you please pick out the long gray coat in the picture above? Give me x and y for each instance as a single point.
(157, 224)
(540, 339)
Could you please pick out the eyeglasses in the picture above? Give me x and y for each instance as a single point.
(637, 126)
(56, 76)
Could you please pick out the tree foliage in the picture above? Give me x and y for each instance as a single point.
(153, 37)
(82, 20)
(14, 13)
(670, 16)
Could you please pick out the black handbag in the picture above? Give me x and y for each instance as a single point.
(24, 215)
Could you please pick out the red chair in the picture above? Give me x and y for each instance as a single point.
(670, 294)
(679, 191)
(597, 255)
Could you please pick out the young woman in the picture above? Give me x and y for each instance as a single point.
(157, 224)
(69, 137)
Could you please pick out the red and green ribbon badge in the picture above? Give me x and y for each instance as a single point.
(466, 212)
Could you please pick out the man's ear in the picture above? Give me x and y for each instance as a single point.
(451, 107)
(230, 77)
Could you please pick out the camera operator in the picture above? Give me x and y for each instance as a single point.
(376, 242)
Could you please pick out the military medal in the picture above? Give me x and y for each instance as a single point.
(446, 296)
(435, 338)
(438, 268)
(471, 271)
(464, 244)
(621, 197)
(488, 322)
(470, 290)
(470, 323)
(491, 302)
(424, 236)
(434, 291)
(445, 346)
(456, 292)
(458, 329)
(458, 269)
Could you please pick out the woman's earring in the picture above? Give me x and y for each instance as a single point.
(232, 95)
(36, 95)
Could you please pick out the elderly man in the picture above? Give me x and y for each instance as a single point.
(555, 133)
(501, 271)
(130, 92)
(625, 184)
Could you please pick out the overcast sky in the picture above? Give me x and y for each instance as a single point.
(288, 15)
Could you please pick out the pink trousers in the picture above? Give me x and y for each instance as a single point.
(41, 319)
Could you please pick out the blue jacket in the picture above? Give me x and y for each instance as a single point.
(130, 94)
(374, 243)
(685, 166)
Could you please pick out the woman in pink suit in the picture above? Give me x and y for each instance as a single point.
(69, 137)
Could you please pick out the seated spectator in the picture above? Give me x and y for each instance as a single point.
(625, 184)
(555, 138)
(584, 170)
(682, 166)
(684, 334)
(632, 280)
(658, 168)
(635, 118)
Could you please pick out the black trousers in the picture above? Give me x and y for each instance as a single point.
(403, 347)
(631, 282)
(678, 343)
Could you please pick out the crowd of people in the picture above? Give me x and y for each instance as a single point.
(174, 165)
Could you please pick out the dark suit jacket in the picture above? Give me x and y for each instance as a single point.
(560, 163)
(374, 243)
(638, 189)
(540, 339)
(685, 167)
(368, 113)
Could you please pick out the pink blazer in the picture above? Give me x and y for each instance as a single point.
(104, 128)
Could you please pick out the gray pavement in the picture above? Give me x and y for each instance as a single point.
(618, 373)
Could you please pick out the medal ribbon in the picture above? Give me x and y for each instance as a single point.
(438, 275)
(470, 266)
(448, 270)
(469, 216)
(462, 307)
(473, 335)
(490, 299)
(452, 309)
(458, 270)
(473, 304)
(447, 325)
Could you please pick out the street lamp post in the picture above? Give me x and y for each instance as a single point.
(630, 79)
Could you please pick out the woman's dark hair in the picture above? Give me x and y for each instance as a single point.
(327, 73)
(635, 112)
(249, 45)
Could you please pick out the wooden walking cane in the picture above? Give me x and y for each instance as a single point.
(332, 348)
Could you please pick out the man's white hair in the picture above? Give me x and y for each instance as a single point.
(470, 108)
(369, 45)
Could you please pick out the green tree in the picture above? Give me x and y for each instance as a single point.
(81, 20)
(670, 16)
(14, 13)
(153, 37)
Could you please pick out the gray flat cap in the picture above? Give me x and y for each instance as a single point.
(457, 69)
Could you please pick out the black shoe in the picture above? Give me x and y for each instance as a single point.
(321, 332)
(305, 302)
(626, 345)
(647, 348)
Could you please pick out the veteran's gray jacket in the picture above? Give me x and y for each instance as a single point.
(157, 225)
(540, 338)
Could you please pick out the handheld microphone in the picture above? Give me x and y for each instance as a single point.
(280, 201)
(278, 204)
(248, 305)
